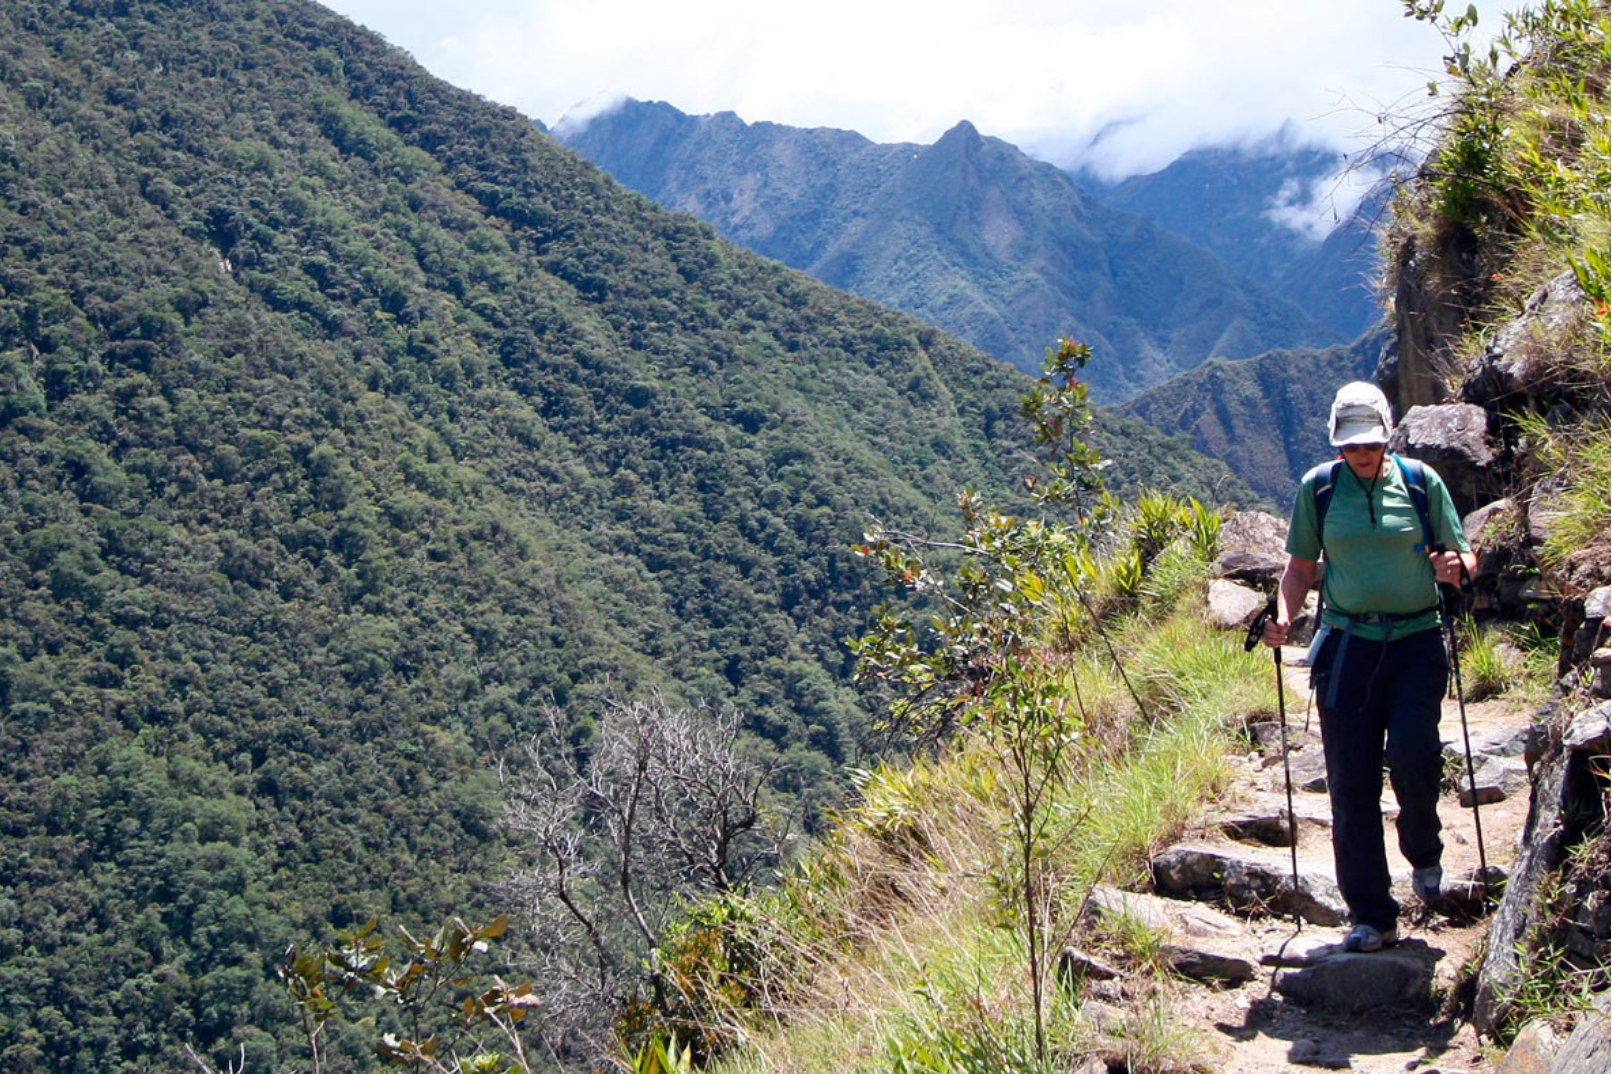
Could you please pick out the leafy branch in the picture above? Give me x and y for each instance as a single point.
(432, 985)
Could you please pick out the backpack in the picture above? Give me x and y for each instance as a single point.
(1415, 479)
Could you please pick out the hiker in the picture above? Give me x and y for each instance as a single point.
(1378, 663)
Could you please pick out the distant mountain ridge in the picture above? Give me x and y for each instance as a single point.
(1266, 418)
(969, 234)
(1229, 201)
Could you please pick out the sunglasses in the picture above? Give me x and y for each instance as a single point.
(1352, 449)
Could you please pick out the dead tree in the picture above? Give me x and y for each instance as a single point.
(663, 804)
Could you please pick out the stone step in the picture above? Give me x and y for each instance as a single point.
(1246, 884)
(1325, 977)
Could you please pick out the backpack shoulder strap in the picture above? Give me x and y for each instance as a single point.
(1416, 481)
(1321, 480)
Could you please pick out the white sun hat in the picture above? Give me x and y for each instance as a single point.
(1360, 415)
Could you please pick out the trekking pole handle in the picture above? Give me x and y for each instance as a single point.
(1466, 576)
(1256, 630)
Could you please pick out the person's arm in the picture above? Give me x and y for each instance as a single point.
(1297, 578)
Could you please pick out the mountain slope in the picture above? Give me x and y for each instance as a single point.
(1265, 418)
(1266, 211)
(968, 234)
(346, 421)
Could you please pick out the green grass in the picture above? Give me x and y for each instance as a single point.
(911, 962)
(1572, 463)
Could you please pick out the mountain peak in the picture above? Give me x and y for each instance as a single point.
(1012, 252)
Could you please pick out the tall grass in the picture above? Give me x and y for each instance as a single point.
(1196, 685)
(906, 960)
(1572, 495)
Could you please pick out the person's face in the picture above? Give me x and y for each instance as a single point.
(1366, 460)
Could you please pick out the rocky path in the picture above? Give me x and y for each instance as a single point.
(1278, 991)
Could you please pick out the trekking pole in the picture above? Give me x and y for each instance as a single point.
(1254, 633)
(1453, 650)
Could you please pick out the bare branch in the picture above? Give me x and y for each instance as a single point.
(663, 802)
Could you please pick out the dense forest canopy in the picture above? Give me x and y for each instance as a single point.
(345, 422)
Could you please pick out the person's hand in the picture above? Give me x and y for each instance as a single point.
(1275, 633)
(1446, 567)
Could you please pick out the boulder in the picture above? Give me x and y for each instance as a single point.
(1588, 1049)
(1468, 894)
(1254, 532)
(1532, 1050)
(1257, 570)
(1169, 916)
(1231, 606)
(1498, 534)
(1521, 741)
(1075, 965)
(1309, 771)
(1493, 779)
(1266, 736)
(1266, 821)
(1453, 438)
(1590, 731)
(1211, 967)
(1520, 363)
(1566, 795)
(1344, 983)
(1247, 885)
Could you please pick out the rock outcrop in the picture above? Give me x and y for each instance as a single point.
(1568, 789)
(1453, 438)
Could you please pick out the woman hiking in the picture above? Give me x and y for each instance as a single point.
(1378, 664)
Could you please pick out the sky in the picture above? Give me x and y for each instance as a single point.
(1118, 87)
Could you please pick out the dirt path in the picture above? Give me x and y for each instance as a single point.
(1254, 1029)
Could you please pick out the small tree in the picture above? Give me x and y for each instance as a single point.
(1015, 581)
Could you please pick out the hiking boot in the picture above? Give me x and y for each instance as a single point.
(1365, 938)
(1428, 883)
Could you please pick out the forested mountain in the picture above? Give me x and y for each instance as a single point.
(1265, 418)
(1277, 213)
(968, 234)
(346, 420)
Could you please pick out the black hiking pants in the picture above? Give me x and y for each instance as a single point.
(1386, 693)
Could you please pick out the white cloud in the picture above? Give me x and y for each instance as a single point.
(578, 117)
(1316, 207)
(1121, 87)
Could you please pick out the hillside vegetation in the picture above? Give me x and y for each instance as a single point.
(347, 425)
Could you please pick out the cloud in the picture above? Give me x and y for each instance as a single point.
(1118, 88)
(577, 118)
(1314, 208)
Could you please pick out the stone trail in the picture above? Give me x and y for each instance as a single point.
(1278, 992)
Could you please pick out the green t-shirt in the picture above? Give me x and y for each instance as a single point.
(1375, 567)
